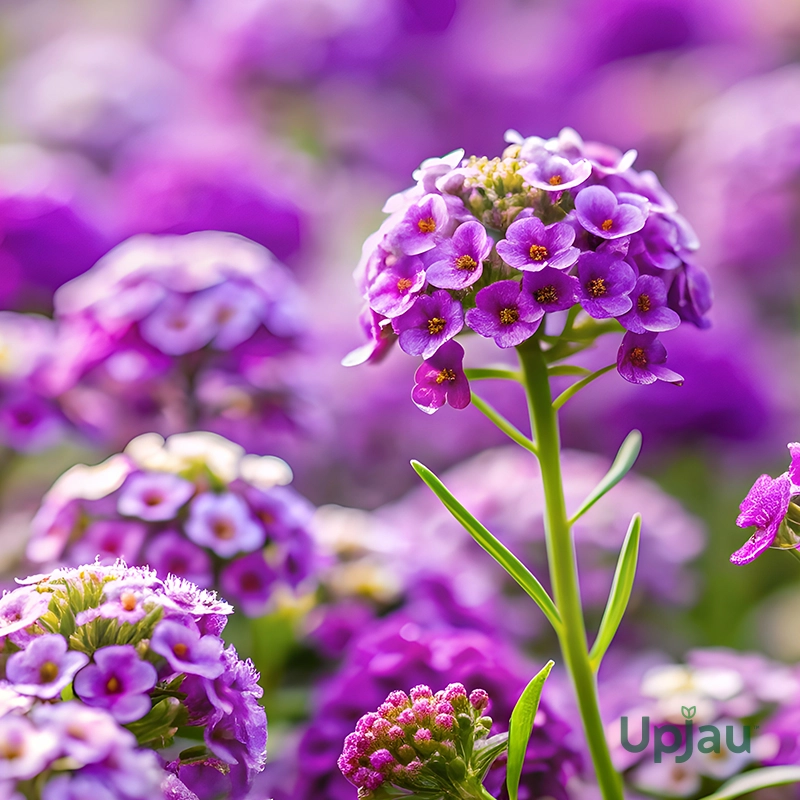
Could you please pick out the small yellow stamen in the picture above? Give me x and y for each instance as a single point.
(436, 325)
(643, 303)
(638, 357)
(128, 600)
(48, 672)
(508, 316)
(403, 285)
(113, 686)
(445, 375)
(555, 180)
(597, 287)
(180, 649)
(467, 263)
(546, 295)
(607, 224)
(427, 225)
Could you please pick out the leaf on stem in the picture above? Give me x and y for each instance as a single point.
(757, 779)
(569, 393)
(568, 369)
(520, 727)
(496, 373)
(620, 592)
(503, 424)
(496, 549)
(626, 456)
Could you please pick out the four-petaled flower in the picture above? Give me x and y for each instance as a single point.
(531, 245)
(433, 320)
(441, 379)
(459, 261)
(505, 313)
(599, 211)
(641, 358)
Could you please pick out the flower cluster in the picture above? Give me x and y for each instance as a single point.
(494, 245)
(69, 750)
(146, 652)
(422, 743)
(175, 333)
(770, 507)
(194, 506)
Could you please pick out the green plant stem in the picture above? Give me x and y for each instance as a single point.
(503, 424)
(794, 552)
(563, 566)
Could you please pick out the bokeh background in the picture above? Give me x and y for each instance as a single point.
(290, 122)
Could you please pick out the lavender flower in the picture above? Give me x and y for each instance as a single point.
(44, 667)
(549, 172)
(187, 651)
(530, 245)
(441, 379)
(433, 320)
(397, 285)
(765, 507)
(459, 261)
(191, 505)
(641, 359)
(505, 313)
(422, 226)
(551, 289)
(599, 211)
(649, 311)
(605, 285)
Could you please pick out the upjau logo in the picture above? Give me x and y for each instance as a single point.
(669, 738)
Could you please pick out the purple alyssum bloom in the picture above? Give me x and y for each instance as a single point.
(641, 358)
(24, 750)
(248, 582)
(186, 650)
(171, 553)
(764, 507)
(21, 608)
(649, 310)
(119, 681)
(794, 467)
(434, 320)
(599, 212)
(154, 496)
(605, 284)
(459, 261)
(45, 666)
(551, 289)
(553, 173)
(504, 313)
(423, 226)
(440, 379)
(396, 286)
(223, 523)
(109, 540)
(531, 245)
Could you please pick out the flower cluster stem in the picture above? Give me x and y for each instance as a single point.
(563, 565)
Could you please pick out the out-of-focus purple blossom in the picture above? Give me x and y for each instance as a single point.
(154, 497)
(45, 667)
(223, 523)
(19, 609)
(505, 313)
(170, 553)
(248, 582)
(24, 750)
(440, 379)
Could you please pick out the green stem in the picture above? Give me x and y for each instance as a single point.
(501, 422)
(794, 552)
(563, 566)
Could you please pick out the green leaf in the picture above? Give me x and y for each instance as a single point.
(569, 393)
(620, 592)
(626, 456)
(496, 549)
(568, 369)
(520, 727)
(757, 779)
(486, 752)
(492, 373)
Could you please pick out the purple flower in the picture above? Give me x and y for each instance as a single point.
(170, 553)
(24, 750)
(641, 358)
(459, 260)
(531, 245)
(223, 523)
(119, 681)
(77, 786)
(649, 311)
(108, 540)
(434, 320)
(396, 285)
(186, 650)
(764, 507)
(422, 226)
(178, 326)
(441, 379)
(599, 212)
(21, 608)
(551, 289)
(44, 667)
(380, 338)
(605, 283)
(154, 496)
(794, 467)
(248, 583)
(505, 313)
(552, 173)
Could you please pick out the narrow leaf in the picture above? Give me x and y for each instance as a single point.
(568, 369)
(626, 456)
(496, 549)
(569, 393)
(620, 592)
(492, 373)
(503, 424)
(520, 728)
(757, 779)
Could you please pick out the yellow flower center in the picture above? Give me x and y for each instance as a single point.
(436, 325)
(466, 263)
(48, 672)
(638, 357)
(546, 295)
(607, 224)
(597, 287)
(445, 375)
(643, 303)
(426, 225)
(555, 180)
(508, 316)
(538, 252)
(403, 285)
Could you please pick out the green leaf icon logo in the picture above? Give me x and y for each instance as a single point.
(688, 713)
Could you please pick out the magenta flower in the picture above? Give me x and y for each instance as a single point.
(222, 522)
(45, 667)
(599, 212)
(118, 681)
(186, 650)
(505, 313)
(170, 553)
(794, 467)
(764, 507)
(649, 311)
(422, 227)
(552, 173)
(605, 285)
(178, 326)
(641, 358)
(396, 286)
(459, 261)
(434, 320)
(248, 582)
(21, 608)
(531, 245)
(154, 496)
(551, 289)
(110, 539)
(441, 379)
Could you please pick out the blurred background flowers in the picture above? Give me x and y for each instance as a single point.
(184, 189)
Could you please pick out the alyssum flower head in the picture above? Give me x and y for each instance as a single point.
(770, 506)
(195, 506)
(493, 245)
(425, 744)
(147, 654)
